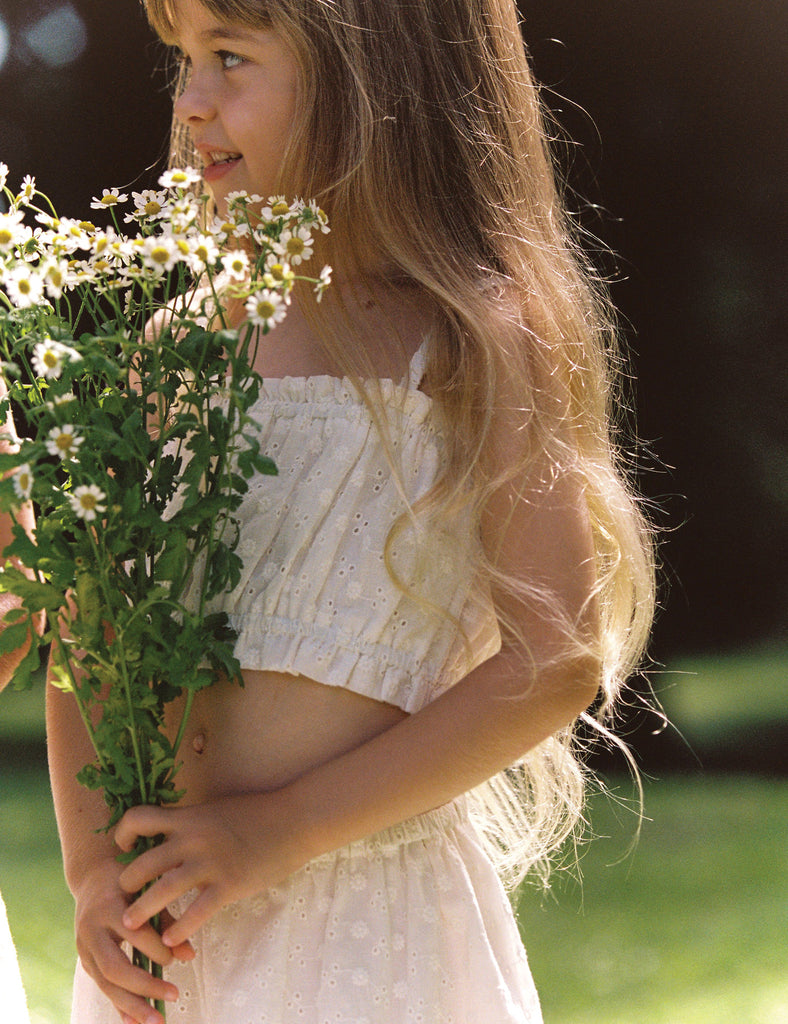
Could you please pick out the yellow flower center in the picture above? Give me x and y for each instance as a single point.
(55, 277)
(265, 309)
(65, 441)
(5, 236)
(277, 271)
(152, 208)
(49, 359)
(88, 501)
(280, 209)
(24, 481)
(24, 287)
(178, 178)
(109, 200)
(160, 254)
(295, 246)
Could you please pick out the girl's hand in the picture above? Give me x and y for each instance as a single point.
(100, 906)
(227, 849)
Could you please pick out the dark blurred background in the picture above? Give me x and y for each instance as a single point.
(676, 110)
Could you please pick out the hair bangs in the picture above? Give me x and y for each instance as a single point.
(163, 16)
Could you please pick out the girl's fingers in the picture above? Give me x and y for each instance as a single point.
(128, 987)
(147, 868)
(164, 891)
(199, 912)
(142, 821)
(184, 950)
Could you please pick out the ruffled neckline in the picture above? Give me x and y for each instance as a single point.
(325, 388)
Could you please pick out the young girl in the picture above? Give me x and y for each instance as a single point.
(447, 572)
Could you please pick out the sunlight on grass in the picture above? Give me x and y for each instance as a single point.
(713, 697)
(688, 929)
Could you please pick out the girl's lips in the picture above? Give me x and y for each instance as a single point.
(213, 172)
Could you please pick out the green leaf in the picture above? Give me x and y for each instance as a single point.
(22, 678)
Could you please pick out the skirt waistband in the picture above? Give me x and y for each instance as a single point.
(428, 825)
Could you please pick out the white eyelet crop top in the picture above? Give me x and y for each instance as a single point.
(315, 598)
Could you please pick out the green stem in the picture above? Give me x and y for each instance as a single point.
(120, 665)
(83, 713)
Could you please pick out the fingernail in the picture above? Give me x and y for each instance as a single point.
(172, 995)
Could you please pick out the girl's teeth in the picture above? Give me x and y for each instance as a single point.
(224, 158)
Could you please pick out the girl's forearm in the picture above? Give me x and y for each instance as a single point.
(479, 727)
(79, 812)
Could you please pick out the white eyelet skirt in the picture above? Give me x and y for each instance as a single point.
(410, 926)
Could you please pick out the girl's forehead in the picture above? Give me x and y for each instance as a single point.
(174, 15)
(170, 18)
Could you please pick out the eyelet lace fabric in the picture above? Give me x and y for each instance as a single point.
(410, 926)
(315, 597)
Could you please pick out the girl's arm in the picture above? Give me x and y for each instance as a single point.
(8, 662)
(92, 873)
(239, 845)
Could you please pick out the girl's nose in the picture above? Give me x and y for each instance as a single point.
(194, 103)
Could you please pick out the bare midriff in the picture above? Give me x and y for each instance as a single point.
(275, 728)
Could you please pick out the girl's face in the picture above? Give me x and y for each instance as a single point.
(239, 102)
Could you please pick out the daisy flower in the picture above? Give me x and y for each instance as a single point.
(49, 357)
(323, 281)
(226, 230)
(12, 230)
(238, 198)
(24, 285)
(204, 252)
(110, 245)
(86, 501)
(148, 203)
(57, 276)
(23, 481)
(109, 197)
(160, 253)
(236, 264)
(318, 216)
(295, 245)
(63, 441)
(180, 177)
(28, 190)
(3, 174)
(277, 207)
(277, 273)
(266, 309)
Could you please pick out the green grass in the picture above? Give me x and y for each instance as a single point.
(689, 928)
(711, 699)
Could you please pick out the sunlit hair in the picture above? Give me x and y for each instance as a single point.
(420, 132)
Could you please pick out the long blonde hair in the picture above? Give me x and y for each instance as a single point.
(420, 130)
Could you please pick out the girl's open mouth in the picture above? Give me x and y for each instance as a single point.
(219, 163)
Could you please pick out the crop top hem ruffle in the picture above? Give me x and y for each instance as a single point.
(333, 658)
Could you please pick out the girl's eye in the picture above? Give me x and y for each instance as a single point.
(229, 60)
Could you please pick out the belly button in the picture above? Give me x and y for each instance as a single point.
(199, 742)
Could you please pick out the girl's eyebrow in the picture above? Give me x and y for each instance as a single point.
(233, 32)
